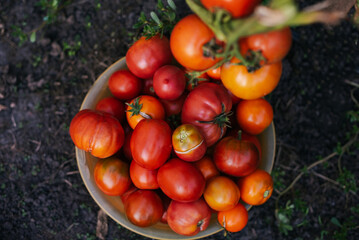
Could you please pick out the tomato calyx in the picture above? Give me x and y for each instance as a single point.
(212, 49)
(136, 109)
(222, 119)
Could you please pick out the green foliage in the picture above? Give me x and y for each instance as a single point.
(284, 216)
(20, 34)
(347, 180)
(72, 49)
(278, 175)
(344, 228)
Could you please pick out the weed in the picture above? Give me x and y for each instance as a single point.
(347, 180)
(284, 216)
(36, 60)
(20, 34)
(342, 232)
(278, 175)
(71, 50)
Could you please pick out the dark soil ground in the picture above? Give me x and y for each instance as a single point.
(42, 85)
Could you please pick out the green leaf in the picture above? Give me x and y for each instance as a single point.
(171, 4)
(335, 221)
(33, 37)
(155, 18)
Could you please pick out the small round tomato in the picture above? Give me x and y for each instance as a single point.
(174, 107)
(124, 85)
(145, 56)
(187, 42)
(215, 73)
(143, 178)
(112, 176)
(250, 85)
(247, 137)
(112, 106)
(256, 188)
(188, 143)
(144, 208)
(169, 82)
(207, 167)
(235, 7)
(144, 107)
(180, 180)
(221, 193)
(254, 116)
(235, 219)
(148, 87)
(151, 143)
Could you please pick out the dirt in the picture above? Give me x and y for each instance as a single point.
(42, 195)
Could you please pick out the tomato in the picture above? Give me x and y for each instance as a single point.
(273, 45)
(124, 196)
(124, 85)
(147, 88)
(126, 146)
(247, 137)
(250, 85)
(144, 57)
(143, 178)
(221, 193)
(236, 157)
(207, 107)
(169, 82)
(189, 218)
(235, 219)
(84, 132)
(188, 143)
(235, 7)
(181, 181)
(215, 73)
(254, 116)
(187, 41)
(174, 107)
(207, 167)
(144, 107)
(144, 208)
(256, 188)
(112, 106)
(112, 176)
(151, 143)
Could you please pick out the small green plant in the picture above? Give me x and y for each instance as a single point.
(284, 216)
(72, 49)
(20, 34)
(347, 180)
(344, 228)
(278, 175)
(36, 60)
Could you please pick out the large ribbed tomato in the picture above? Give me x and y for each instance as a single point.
(96, 132)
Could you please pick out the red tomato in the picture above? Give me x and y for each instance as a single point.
(215, 73)
(84, 132)
(188, 143)
(174, 107)
(143, 178)
(124, 85)
(144, 208)
(126, 146)
(189, 218)
(236, 157)
(124, 196)
(112, 106)
(144, 57)
(235, 219)
(207, 107)
(181, 180)
(247, 137)
(112, 176)
(235, 7)
(169, 82)
(250, 85)
(148, 87)
(188, 37)
(151, 143)
(207, 167)
(254, 116)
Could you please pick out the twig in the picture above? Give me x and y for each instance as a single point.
(354, 84)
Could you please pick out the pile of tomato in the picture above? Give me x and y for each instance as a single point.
(177, 150)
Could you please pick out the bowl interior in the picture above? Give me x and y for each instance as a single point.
(113, 205)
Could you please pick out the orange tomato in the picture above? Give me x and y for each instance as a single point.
(207, 167)
(235, 219)
(250, 85)
(215, 73)
(256, 188)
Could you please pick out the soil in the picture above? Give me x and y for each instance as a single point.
(42, 195)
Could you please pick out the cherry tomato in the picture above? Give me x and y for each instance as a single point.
(169, 82)
(188, 143)
(215, 73)
(112, 106)
(151, 143)
(250, 85)
(235, 219)
(187, 41)
(148, 87)
(256, 188)
(207, 167)
(144, 57)
(221, 193)
(174, 107)
(124, 85)
(112, 176)
(144, 107)
(254, 116)
(235, 7)
(143, 178)
(181, 181)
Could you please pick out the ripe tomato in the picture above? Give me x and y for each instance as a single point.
(144, 107)
(234, 7)
(148, 87)
(273, 45)
(236, 157)
(254, 116)
(221, 193)
(189, 218)
(247, 137)
(144, 57)
(181, 181)
(144, 208)
(84, 132)
(124, 85)
(188, 143)
(215, 73)
(207, 107)
(187, 41)
(174, 107)
(151, 143)
(112, 106)
(143, 178)
(169, 82)
(250, 85)
(235, 219)
(207, 167)
(256, 188)
(112, 176)
(126, 146)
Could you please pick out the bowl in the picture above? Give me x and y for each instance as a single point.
(113, 205)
